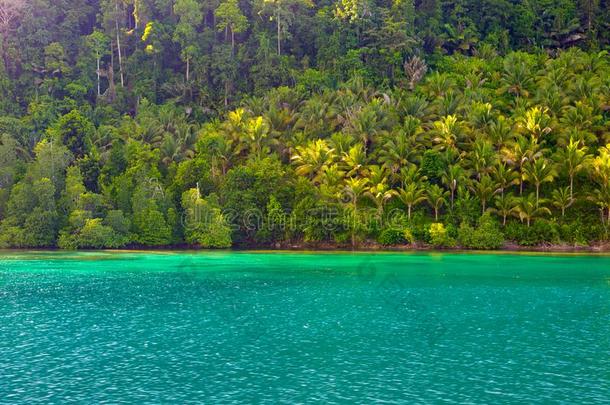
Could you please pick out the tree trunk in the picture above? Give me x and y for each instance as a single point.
(521, 184)
(232, 42)
(118, 43)
(279, 49)
(226, 93)
(188, 67)
(99, 93)
(503, 220)
(571, 187)
(537, 194)
(409, 211)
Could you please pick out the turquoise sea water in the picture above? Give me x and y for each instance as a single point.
(299, 328)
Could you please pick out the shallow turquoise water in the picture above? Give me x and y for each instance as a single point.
(278, 327)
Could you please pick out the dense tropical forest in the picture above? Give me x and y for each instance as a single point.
(215, 123)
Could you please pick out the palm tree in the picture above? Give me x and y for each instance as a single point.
(402, 146)
(601, 198)
(411, 195)
(518, 76)
(482, 157)
(504, 206)
(572, 158)
(452, 177)
(536, 122)
(411, 174)
(500, 131)
(316, 117)
(437, 197)
(355, 160)
(562, 199)
(439, 84)
(313, 159)
(601, 167)
(258, 136)
(520, 152)
(528, 208)
(504, 176)
(380, 194)
(365, 122)
(538, 172)
(331, 181)
(484, 189)
(354, 189)
(447, 131)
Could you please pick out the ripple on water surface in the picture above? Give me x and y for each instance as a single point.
(340, 328)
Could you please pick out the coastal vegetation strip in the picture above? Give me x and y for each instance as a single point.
(444, 124)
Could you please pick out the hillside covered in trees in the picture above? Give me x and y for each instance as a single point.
(274, 122)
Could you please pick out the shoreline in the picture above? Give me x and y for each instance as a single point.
(326, 247)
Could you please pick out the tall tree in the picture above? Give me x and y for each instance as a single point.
(98, 43)
(283, 13)
(189, 18)
(230, 18)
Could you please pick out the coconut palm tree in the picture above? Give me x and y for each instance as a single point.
(601, 167)
(448, 131)
(504, 176)
(331, 181)
(537, 172)
(504, 206)
(355, 160)
(535, 122)
(572, 158)
(380, 194)
(500, 131)
(521, 151)
(517, 77)
(437, 197)
(484, 189)
(411, 174)
(452, 178)
(482, 157)
(439, 84)
(528, 208)
(316, 117)
(601, 198)
(354, 189)
(313, 159)
(411, 195)
(398, 151)
(562, 198)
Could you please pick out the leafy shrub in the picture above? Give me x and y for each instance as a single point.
(419, 227)
(486, 236)
(205, 224)
(406, 233)
(439, 236)
(538, 233)
(572, 233)
(392, 236)
(92, 235)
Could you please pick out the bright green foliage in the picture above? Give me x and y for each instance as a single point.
(319, 122)
(204, 223)
(439, 236)
(393, 236)
(151, 227)
(487, 235)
